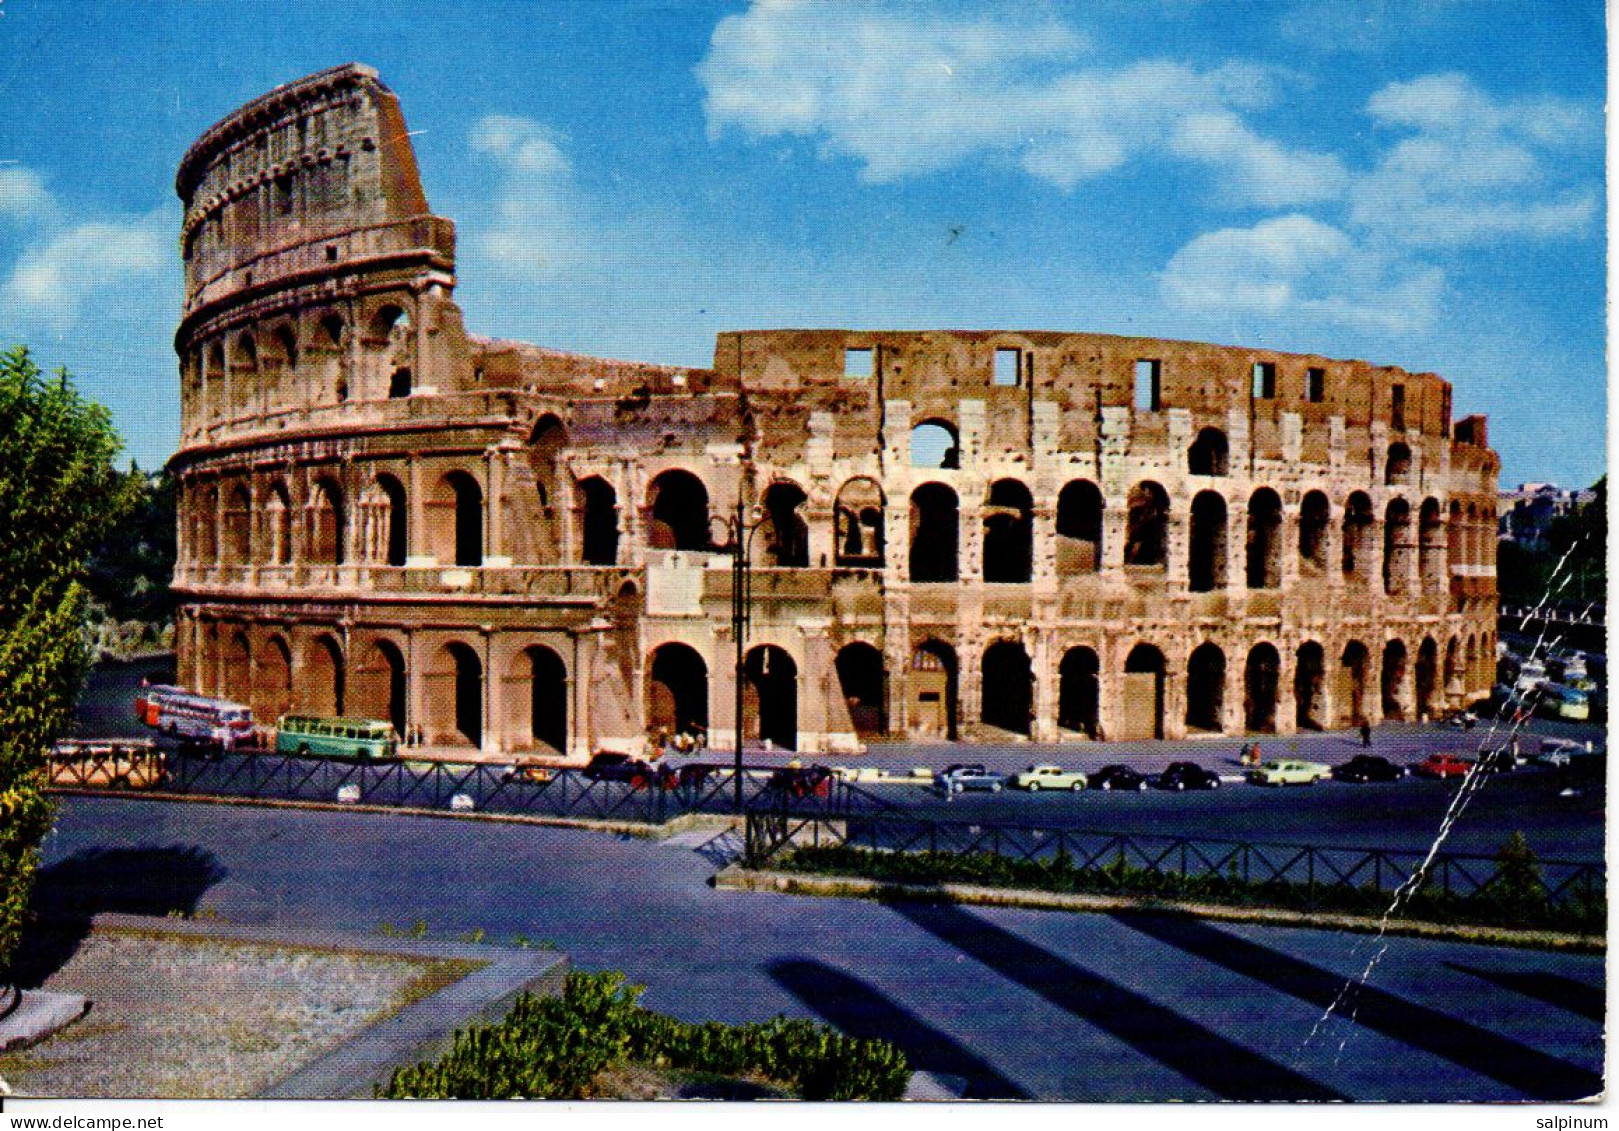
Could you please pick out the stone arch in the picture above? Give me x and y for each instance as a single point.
(1205, 688)
(1079, 528)
(239, 669)
(1350, 693)
(206, 503)
(384, 518)
(547, 441)
(278, 524)
(1315, 519)
(786, 534)
(1261, 683)
(215, 370)
(547, 699)
(1309, 687)
(1470, 670)
(597, 504)
(1079, 691)
(381, 685)
(1008, 687)
(460, 694)
(237, 548)
(1394, 665)
(1206, 548)
(1146, 540)
(1427, 673)
(935, 444)
(858, 523)
(1008, 533)
(677, 691)
(1396, 546)
(1397, 470)
(934, 689)
(325, 357)
(327, 523)
(1144, 671)
(272, 681)
(677, 512)
(864, 684)
(1431, 540)
(390, 345)
(1210, 454)
(770, 696)
(1358, 538)
(1454, 671)
(1264, 540)
(322, 681)
(934, 533)
(244, 373)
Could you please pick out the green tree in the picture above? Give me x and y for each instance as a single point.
(131, 569)
(59, 495)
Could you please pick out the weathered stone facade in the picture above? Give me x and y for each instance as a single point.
(959, 533)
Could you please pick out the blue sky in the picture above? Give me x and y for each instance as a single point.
(1418, 184)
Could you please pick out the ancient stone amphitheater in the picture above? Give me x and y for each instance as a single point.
(976, 534)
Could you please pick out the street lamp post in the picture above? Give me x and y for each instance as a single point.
(741, 532)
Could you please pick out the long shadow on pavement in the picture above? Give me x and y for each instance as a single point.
(1577, 997)
(133, 881)
(1201, 1055)
(1535, 1073)
(860, 1010)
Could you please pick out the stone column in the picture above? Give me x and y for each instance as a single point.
(495, 738)
(1174, 700)
(1047, 680)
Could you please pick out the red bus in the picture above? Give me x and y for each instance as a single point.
(197, 718)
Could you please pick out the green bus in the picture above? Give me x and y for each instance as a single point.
(307, 736)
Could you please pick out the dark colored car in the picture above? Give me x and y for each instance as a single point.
(1368, 768)
(1501, 760)
(801, 781)
(619, 767)
(1117, 777)
(1187, 775)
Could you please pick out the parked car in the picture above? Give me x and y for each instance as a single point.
(860, 773)
(619, 767)
(1560, 751)
(801, 781)
(1118, 777)
(1039, 777)
(1443, 766)
(1501, 760)
(528, 769)
(1368, 768)
(955, 779)
(1187, 775)
(1289, 771)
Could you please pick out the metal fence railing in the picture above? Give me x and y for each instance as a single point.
(1305, 876)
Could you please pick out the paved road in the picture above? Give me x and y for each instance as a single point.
(1021, 1003)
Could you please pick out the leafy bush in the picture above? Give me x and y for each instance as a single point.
(555, 1047)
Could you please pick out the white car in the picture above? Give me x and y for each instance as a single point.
(1036, 778)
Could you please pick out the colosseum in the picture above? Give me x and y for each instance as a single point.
(955, 535)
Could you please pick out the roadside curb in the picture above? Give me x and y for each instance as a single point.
(736, 878)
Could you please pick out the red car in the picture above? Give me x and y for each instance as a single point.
(1444, 766)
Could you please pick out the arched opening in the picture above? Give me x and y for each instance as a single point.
(547, 698)
(1309, 687)
(1430, 547)
(1453, 688)
(380, 687)
(1008, 688)
(1396, 546)
(1398, 468)
(238, 545)
(467, 501)
(1264, 540)
(1261, 680)
(1008, 533)
(933, 533)
(1143, 694)
(1394, 675)
(1206, 552)
(468, 693)
(278, 524)
(677, 691)
(598, 510)
(1146, 540)
(327, 361)
(1079, 691)
(326, 524)
(207, 515)
(1205, 689)
(933, 690)
(322, 683)
(770, 697)
(1079, 528)
(858, 515)
(934, 444)
(272, 682)
(546, 443)
(1456, 555)
(384, 536)
(786, 538)
(239, 670)
(390, 340)
(1315, 517)
(1351, 695)
(677, 509)
(1358, 538)
(1471, 675)
(244, 364)
(1427, 677)
(1209, 454)
(864, 684)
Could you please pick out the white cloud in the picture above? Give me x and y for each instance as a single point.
(1477, 168)
(533, 228)
(23, 195)
(1298, 267)
(54, 277)
(908, 92)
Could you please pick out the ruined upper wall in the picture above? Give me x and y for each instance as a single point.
(314, 176)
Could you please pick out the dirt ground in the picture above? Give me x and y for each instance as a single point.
(177, 1017)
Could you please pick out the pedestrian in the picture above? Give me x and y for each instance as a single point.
(1366, 734)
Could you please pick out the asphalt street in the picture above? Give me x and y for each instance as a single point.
(1019, 1003)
